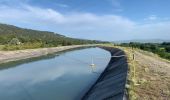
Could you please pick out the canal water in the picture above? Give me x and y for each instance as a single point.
(62, 76)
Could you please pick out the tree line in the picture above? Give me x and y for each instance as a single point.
(162, 49)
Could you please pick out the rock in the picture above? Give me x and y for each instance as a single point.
(146, 69)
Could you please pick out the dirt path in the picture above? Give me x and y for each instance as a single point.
(153, 76)
(153, 62)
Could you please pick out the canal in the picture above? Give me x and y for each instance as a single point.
(61, 76)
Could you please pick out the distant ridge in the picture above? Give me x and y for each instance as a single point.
(49, 39)
(143, 41)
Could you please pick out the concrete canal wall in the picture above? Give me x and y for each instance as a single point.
(111, 83)
(7, 56)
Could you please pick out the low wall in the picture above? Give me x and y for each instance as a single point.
(111, 83)
(8, 56)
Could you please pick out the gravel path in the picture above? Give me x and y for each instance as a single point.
(153, 75)
(152, 61)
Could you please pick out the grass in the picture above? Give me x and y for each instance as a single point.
(1, 47)
(22, 46)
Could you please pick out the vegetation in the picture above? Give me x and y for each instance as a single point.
(1, 47)
(14, 38)
(162, 49)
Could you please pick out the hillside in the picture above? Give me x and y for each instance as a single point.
(12, 35)
(143, 41)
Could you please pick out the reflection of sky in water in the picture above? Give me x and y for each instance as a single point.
(63, 77)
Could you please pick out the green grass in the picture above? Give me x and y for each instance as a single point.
(1, 47)
(23, 46)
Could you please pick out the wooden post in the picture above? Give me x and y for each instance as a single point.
(133, 53)
(134, 70)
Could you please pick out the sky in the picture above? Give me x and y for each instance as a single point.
(110, 20)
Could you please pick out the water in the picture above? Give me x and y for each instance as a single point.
(65, 76)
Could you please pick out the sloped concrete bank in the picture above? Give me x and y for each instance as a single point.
(8, 56)
(111, 83)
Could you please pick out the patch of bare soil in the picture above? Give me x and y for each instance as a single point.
(152, 75)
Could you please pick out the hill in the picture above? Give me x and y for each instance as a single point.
(20, 38)
(143, 41)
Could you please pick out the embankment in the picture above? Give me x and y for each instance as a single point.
(7, 56)
(111, 83)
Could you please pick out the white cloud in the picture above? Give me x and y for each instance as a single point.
(151, 18)
(153, 30)
(82, 25)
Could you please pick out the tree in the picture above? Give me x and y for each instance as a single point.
(166, 43)
(15, 41)
(142, 47)
(64, 43)
(167, 49)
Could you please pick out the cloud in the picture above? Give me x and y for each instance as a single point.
(151, 18)
(157, 30)
(82, 25)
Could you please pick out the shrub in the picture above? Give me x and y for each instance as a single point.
(15, 41)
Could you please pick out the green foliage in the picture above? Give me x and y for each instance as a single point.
(163, 50)
(167, 48)
(15, 38)
(23, 46)
(15, 41)
(1, 47)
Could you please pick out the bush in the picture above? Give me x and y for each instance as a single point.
(167, 48)
(15, 41)
(23, 46)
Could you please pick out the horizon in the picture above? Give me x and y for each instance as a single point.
(110, 20)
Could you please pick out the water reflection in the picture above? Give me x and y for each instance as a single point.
(64, 77)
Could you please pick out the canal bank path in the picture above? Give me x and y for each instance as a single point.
(8, 56)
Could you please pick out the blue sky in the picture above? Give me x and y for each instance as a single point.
(91, 19)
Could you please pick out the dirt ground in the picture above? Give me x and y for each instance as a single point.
(152, 75)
